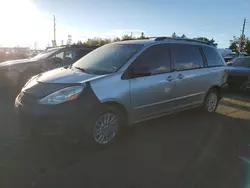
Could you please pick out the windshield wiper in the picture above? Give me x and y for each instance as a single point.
(81, 69)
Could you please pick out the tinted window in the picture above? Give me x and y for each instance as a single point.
(213, 57)
(242, 62)
(186, 57)
(69, 57)
(155, 60)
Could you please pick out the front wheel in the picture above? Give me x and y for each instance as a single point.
(104, 126)
(211, 101)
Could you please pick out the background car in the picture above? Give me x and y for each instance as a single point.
(230, 56)
(239, 74)
(15, 73)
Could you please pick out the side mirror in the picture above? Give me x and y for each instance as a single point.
(135, 72)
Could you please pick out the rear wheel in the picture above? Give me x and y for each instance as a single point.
(211, 100)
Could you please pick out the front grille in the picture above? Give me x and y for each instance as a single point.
(25, 98)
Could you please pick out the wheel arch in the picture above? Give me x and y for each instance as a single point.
(120, 106)
(218, 89)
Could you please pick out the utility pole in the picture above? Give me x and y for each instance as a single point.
(54, 30)
(242, 35)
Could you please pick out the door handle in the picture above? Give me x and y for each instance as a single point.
(180, 76)
(170, 78)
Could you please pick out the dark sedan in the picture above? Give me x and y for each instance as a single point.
(14, 74)
(239, 74)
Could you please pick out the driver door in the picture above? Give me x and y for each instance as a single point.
(152, 94)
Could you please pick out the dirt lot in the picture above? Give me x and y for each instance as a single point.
(188, 149)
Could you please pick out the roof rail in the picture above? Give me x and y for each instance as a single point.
(183, 39)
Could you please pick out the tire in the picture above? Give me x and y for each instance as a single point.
(211, 101)
(98, 133)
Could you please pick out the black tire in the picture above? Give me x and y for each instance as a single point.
(209, 104)
(89, 127)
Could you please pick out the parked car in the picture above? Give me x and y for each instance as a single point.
(123, 83)
(229, 58)
(16, 73)
(239, 74)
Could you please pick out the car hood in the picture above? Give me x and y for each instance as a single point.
(239, 71)
(15, 62)
(66, 75)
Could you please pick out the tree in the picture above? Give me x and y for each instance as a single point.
(234, 47)
(212, 41)
(247, 47)
(174, 35)
(142, 36)
(79, 42)
(183, 36)
(96, 42)
(117, 39)
(127, 37)
(236, 42)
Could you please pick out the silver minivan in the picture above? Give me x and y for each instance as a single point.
(123, 83)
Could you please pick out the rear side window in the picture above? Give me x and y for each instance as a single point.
(154, 59)
(242, 62)
(212, 56)
(186, 57)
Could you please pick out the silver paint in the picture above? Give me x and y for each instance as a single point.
(152, 96)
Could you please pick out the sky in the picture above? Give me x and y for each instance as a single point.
(30, 22)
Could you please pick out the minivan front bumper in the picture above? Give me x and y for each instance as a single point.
(67, 115)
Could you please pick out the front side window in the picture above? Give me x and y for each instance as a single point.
(242, 62)
(44, 55)
(59, 55)
(212, 56)
(186, 57)
(70, 56)
(107, 59)
(154, 60)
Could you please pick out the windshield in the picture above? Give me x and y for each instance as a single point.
(44, 55)
(231, 55)
(107, 59)
(242, 62)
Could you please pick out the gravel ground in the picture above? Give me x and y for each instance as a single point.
(188, 149)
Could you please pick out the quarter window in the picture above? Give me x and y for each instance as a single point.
(186, 57)
(154, 60)
(212, 56)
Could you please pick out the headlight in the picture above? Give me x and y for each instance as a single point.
(63, 95)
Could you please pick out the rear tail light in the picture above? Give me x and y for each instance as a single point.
(226, 70)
